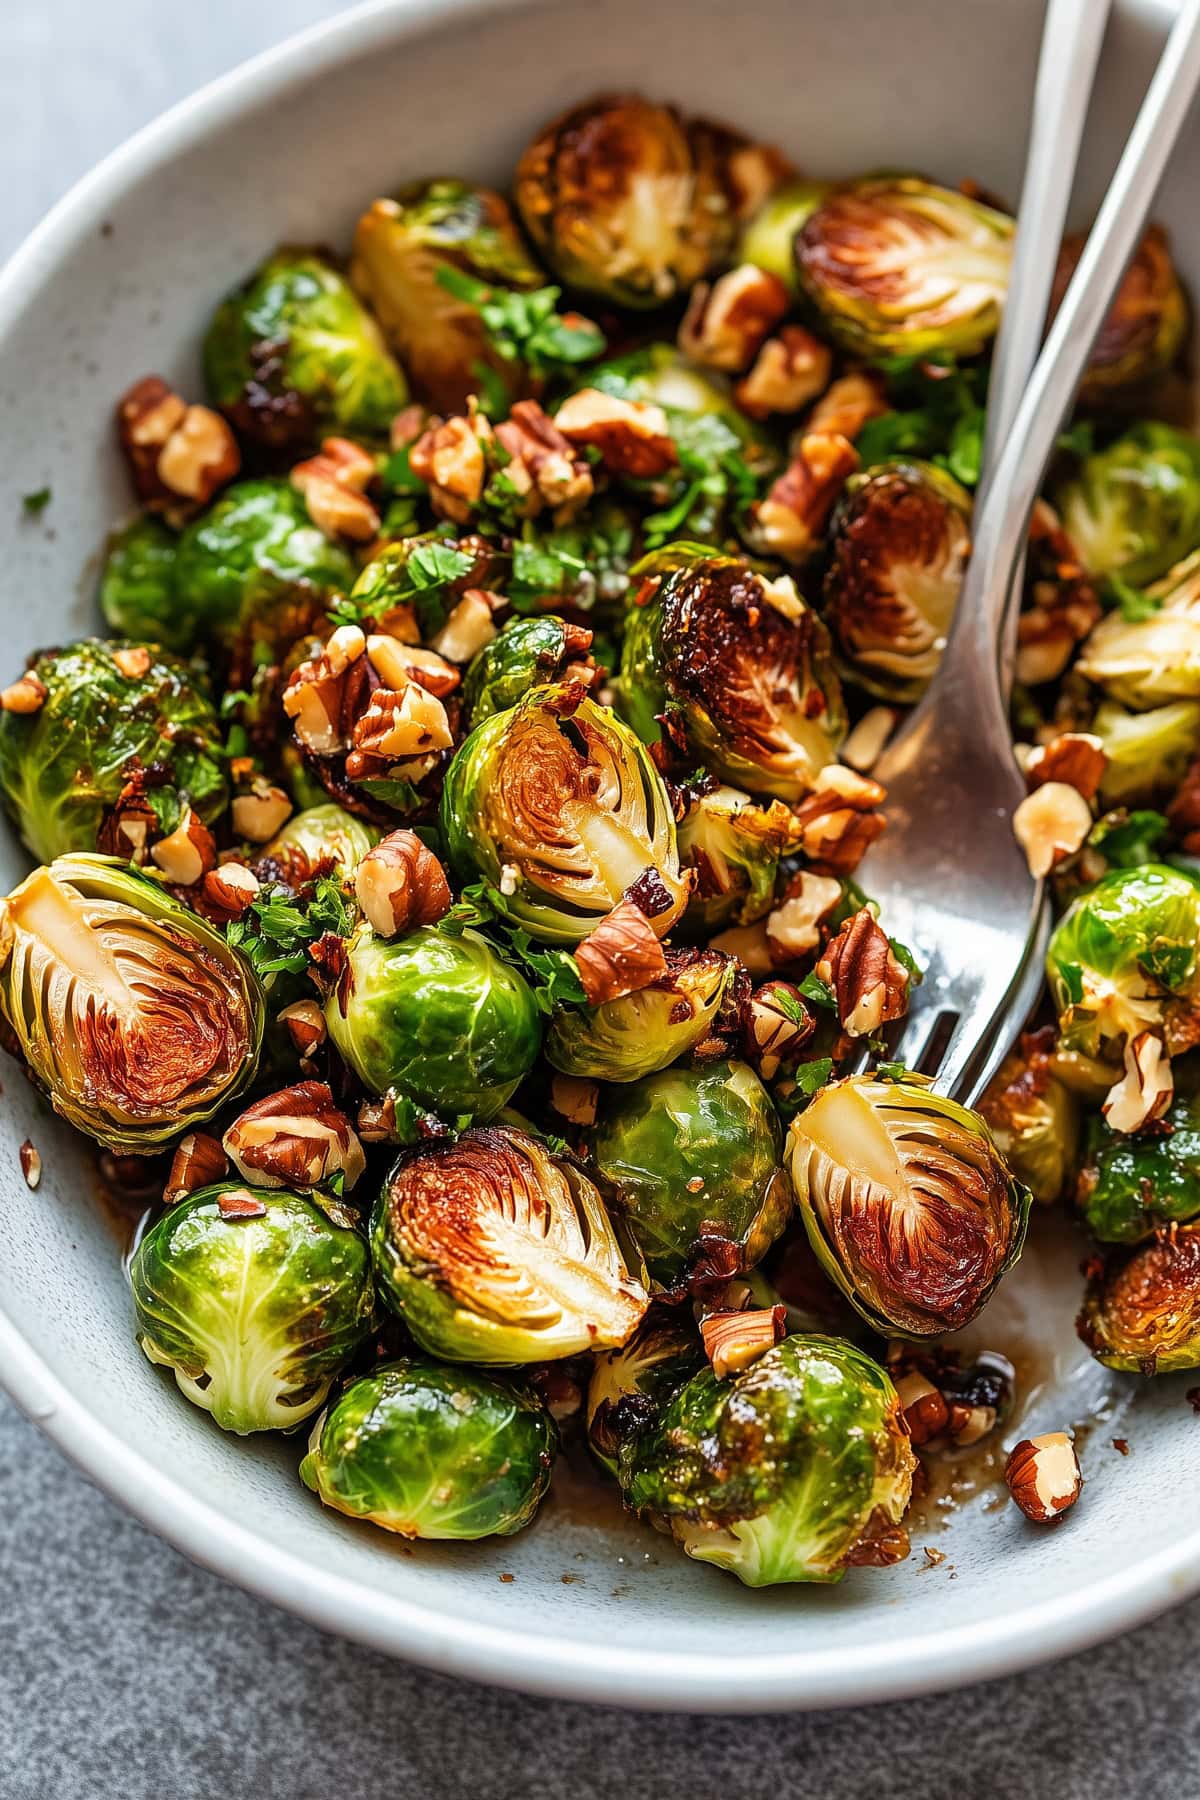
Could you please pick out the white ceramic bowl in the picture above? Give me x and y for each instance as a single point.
(119, 281)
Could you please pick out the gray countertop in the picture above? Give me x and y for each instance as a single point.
(126, 1672)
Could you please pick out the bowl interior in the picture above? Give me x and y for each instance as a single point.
(121, 283)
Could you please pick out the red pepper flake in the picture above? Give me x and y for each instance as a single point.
(240, 1203)
(1121, 1445)
(31, 1164)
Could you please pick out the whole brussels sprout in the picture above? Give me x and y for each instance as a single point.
(734, 846)
(741, 665)
(630, 1385)
(134, 1014)
(896, 266)
(137, 585)
(292, 355)
(64, 766)
(1129, 1187)
(1034, 1119)
(794, 1470)
(433, 1452)
(768, 239)
(1155, 658)
(406, 254)
(691, 1158)
(1119, 952)
(906, 1201)
(495, 1251)
(255, 543)
(898, 553)
(1141, 1313)
(440, 1019)
(638, 1034)
(559, 790)
(1147, 752)
(1133, 509)
(255, 1298)
(321, 840)
(527, 653)
(629, 200)
(1147, 322)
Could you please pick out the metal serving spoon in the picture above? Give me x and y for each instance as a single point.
(951, 881)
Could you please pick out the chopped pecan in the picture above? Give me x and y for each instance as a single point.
(397, 663)
(469, 626)
(187, 853)
(793, 927)
(620, 956)
(776, 1026)
(869, 985)
(296, 1138)
(262, 812)
(1075, 757)
(734, 1340)
(839, 820)
(789, 371)
(25, 695)
(175, 452)
(198, 1161)
(575, 1098)
(326, 694)
(411, 722)
(240, 1203)
(334, 485)
(451, 457)
(377, 1120)
(304, 1023)
(1145, 1090)
(543, 469)
(791, 518)
(848, 404)
(632, 436)
(401, 884)
(1051, 824)
(727, 320)
(133, 660)
(130, 824)
(228, 891)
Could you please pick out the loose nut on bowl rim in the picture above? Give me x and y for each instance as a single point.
(117, 280)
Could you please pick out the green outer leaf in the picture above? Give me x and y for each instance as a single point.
(637, 1035)
(137, 585)
(1134, 508)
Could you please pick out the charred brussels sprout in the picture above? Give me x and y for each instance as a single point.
(906, 1201)
(734, 847)
(63, 766)
(769, 239)
(528, 653)
(1141, 1313)
(1147, 322)
(629, 1386)
(1147, 752)
(321, 840)
(625, 1039)
(439, 1019)
(137, 585)
(740, 668)
(1131, 1186)
(692, 1160)
(895, 266)
(900, 544)
(407, 253)
(560, 791)
(1155, 658)
(495, 1251)
(794, 1470)
(433, 1452)
(1034, 1120)
(255, 1299)
(135, 1015)
(1133, 509)
(293, 355)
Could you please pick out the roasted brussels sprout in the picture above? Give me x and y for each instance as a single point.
(136, 1016)
(137, 585)
(255, 544)
(1147, 752)
(734, 846)
(433, 1452)
(629, 1386)
(1034, 1119)
(293, 354)
(794, 1470)
(406, 254)
(1129, 1187)
(1153, 659)
(558, 790)
(440, 1019)
(691, 1158)
(900, 542)
(895, 266)
(769, 238)
(255, 1298)
(321, 840)
(528, 653)
(1133, 509)
(629, 200)
(739, 666)
(1141, 1312)
(1147, 322)
(1118, 954)
(625, 1039)
(64, 766)
(906, 1201)
(495, 1251)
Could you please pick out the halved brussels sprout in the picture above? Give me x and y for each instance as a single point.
(63, 766)
(1141, 1313)
(896, 266)
(256, 1300)
(1133, 509)
(906, 1201)
(795, 1470)
(137, 584)
(1034, 1119)
(292, 354)
(630, 1386)
(440, 1019)
(559, 792)
(495, 1251)
(432, 1452)
(1151, 660)
(629, 200)
(135, 1015)
(691, 1158)
(739, 667)
(901, 538)
(769, 239)
(734, 846)
(1129, 1187)
(256, 542)
(406, 254)
(321, 840)
(1146, 324)
(1147, 752)
(625, 1039)
(528, 653)
(1118, 954)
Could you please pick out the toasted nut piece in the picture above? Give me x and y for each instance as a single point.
(344, 646)
(632, 436)
(452, 457)
(296, 1138)
(146, 416)
(789, 371)
(229, 890)
(776, 1026)
(186, 853)
(1043, 1476)
(259, 815)
(25, 695)
(401, 884)
(338, 511)
(240, 1203)
(130, 824)
(340, 460)
(305, 1025)
(200, 456)
(727, 320)
(733, 1340)
(1075, 757)
(848, 404)
(1050, 824)
(397, 663)
(1065, 604)
(969, 1424)
(407, 426)
(792, 517)
(868, 983)
(925, 1411)
(132, 662)
(863, 748)
(402, 724)
(31, 1164)
(469, 626)
(792, 926)
(543, 468)
(750, 944)
(839, 820)
(326, 694)
(784, 596)
(198, 1160)
(377, 1120)
(1146, 1089)
(575, 1098)
(621, 956)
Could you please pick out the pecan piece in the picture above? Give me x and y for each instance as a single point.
(198, 1161)
(734, 1340)
(848, 404)
(25, 695)
(228, 891)
(175, 452)
(839, 820)
(632, 436)
(451, 457)
(776, 1026)
(401, 884)
(326, 694)
(1076, 758)
(296, 1138)
(261, 813)
(543, 468)
(791, 517)
(621, 956)
(727, 320)
(1051, 824)
(789, 371)
(1063, 608)
(793, 927)
(869, 985)
(396, 725)
(1145, 1090)
(469, 626)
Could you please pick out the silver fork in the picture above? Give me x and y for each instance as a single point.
(949, 876)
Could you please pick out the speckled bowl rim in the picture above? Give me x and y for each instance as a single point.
(669, 1678)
